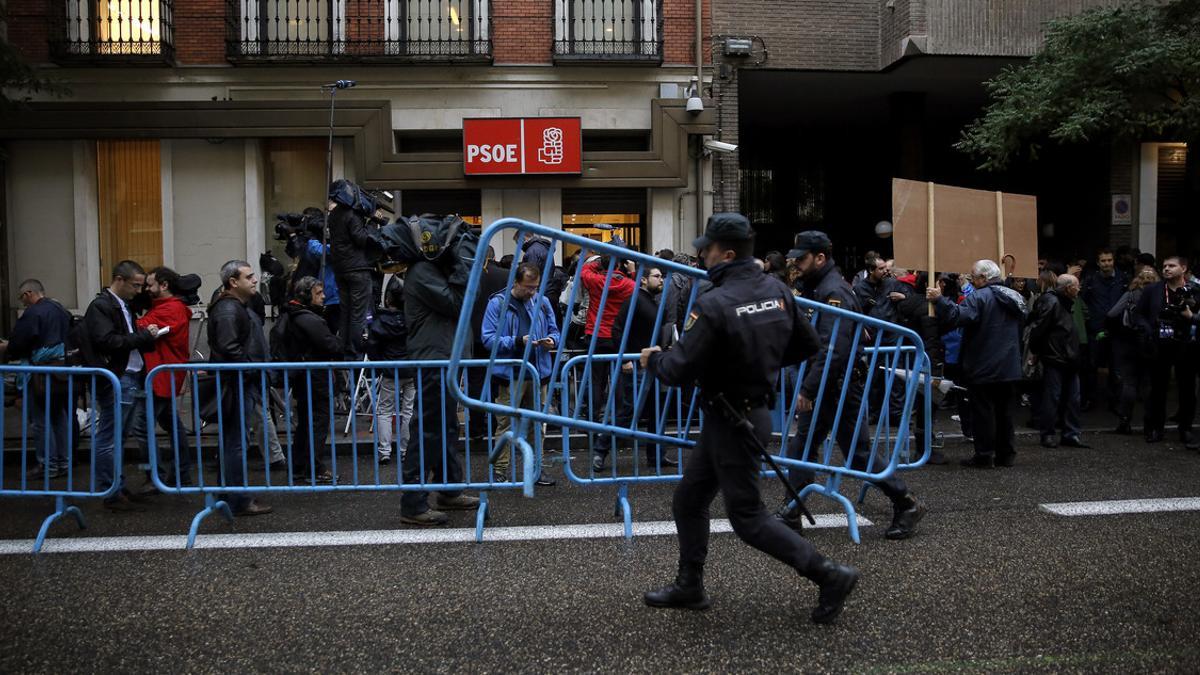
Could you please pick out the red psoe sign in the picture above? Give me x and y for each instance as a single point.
(522, 145)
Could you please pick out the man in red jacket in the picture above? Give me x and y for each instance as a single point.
(620, 286)
(173, 318)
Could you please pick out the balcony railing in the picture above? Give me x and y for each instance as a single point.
(608, 30)
(359, 30)
(111, 30)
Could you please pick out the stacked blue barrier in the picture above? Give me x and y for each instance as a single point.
(580, 400)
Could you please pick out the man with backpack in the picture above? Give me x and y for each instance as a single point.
(387, 340)
(433, 297)
(38, 339)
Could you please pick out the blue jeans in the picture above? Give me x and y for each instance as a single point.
(50, 449)
(166, 415)
(133, 423)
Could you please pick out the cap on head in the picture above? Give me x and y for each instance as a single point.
(724, 227)
(809, 241)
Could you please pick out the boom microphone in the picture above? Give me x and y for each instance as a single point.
(340, 84)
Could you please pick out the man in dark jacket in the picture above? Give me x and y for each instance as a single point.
(113, 342)
(1167, 313)
(991, 318)
(229, 341)
(1054, 341)
(641, 336)
(1100, 290)
(817, 409)
(349, 238)
(307, 338)
(433, 298)
(875, 291)
(39, 339)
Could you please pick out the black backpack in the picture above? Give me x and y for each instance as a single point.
(278, 339)
(424, 237)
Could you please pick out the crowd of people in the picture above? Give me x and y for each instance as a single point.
(1083, 334)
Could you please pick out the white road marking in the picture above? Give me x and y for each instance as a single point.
(1123, 506)
(373, 537)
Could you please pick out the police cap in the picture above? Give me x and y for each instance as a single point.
(809, 241)
(724, 227)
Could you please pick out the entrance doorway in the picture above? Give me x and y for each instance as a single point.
(603, 214)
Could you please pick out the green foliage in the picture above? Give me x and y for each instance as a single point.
(1130, 72)
(18, 79)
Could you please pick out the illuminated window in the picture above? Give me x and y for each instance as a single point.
(432, 27)
(118, 27)
(129, 187)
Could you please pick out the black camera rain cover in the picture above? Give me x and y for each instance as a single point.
(423, 237)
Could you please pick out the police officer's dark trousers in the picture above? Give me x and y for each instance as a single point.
(724, 461)
(821, 420)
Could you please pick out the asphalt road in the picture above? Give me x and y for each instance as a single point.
(992, 583)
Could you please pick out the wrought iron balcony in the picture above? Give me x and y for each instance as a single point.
(359, 30)
(129, 31)
(608, 30)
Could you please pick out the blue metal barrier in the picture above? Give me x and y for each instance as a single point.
(45, 398)
(233, 397)
(587, 402)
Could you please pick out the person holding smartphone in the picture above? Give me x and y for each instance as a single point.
(520, 322)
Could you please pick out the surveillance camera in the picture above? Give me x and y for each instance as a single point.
(694, 105)
(719, 146)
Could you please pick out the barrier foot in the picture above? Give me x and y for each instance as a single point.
(831, 491)
(530, 472)
(481, 517)
(622, 509)
(60, 509)
(211, 505)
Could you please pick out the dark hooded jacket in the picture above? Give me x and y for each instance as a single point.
(349, 239)
(992, 319)
(1053, 336)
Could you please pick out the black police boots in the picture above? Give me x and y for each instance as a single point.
(836, 582)
(686, 593)
(791, 517)
(906, 513)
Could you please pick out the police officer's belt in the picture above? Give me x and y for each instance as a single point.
(740, 403)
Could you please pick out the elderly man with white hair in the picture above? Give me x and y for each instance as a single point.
(991, 319)
(1054, 341)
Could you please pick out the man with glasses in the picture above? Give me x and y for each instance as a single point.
(113, 342)
(514, 319)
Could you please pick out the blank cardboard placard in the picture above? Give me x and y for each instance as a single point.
(965, 225)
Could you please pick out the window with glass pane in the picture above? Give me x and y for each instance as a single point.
(612, 27)
(129, 188)
(128, 27)
(436, 26)
(291, 27)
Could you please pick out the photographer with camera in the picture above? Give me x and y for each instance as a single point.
(1167, 312)
(350, 256)
(302, 232)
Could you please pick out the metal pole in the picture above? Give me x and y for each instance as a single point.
(328, 182)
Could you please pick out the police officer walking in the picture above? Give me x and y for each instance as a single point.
(736, 339)
(822, 282)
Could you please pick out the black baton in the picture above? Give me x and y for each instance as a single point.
(739, 420)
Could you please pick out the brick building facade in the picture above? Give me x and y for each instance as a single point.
(217, 104)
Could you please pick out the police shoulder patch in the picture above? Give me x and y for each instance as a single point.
(835, 302)
(691, 320)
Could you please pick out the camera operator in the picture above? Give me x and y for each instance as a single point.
(304, 245)
(1167, 311)
(349, 239)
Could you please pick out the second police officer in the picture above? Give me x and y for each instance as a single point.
(822, 282)
(735, 342)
